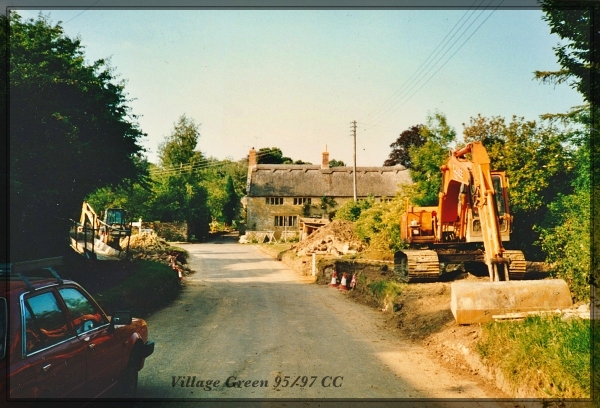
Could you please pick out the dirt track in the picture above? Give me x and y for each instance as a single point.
(245, 315)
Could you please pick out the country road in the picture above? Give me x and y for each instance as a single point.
(246, 326)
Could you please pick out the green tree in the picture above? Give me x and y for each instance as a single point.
(231, 207)
(400, 148)
(351, 210)
(272, 155)
(379, 225)
(336, 163)
(71, 132)
(427, 158)
(576, 22)
(178, 148)
(565, 234)
(538, 163)
(180, 195)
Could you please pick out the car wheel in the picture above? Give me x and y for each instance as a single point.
(130, 375)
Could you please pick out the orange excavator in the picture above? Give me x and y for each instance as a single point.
(467, 227)
(472, 210)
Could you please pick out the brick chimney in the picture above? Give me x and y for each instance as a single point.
(252, 158)
(325, 162)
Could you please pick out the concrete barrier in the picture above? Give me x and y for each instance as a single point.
(477, 302)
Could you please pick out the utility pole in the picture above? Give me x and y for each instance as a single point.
(354, 131)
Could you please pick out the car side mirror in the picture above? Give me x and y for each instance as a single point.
(120, 317)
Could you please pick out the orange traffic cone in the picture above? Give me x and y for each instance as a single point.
(353, 282)
(179, 274)
(343, 285)
(333, 283)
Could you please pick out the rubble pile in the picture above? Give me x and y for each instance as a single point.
(150, 246)
(335, 238)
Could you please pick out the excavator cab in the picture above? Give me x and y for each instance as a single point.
(114, 216)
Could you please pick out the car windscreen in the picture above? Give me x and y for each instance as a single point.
(3, 328)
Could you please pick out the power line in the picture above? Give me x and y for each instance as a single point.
(414, 84)
(418, 70)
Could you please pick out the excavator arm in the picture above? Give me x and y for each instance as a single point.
(483, 196)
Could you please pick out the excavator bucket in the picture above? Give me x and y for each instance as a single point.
(477, 302)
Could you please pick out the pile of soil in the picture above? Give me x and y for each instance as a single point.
(151, 247)
(335, 238)
(145, 244)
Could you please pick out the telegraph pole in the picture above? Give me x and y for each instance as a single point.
(354, 132)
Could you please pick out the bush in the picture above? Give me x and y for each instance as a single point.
(351, 210)
(379, 226)
(151, 286)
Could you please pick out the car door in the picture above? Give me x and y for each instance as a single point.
(104, 349)
(55, 354)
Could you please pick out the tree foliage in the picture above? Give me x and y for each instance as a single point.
(336, 163)
(379, 225)
(576, 22)
(272, 155)
(534, 156)
(178, 148)
(351, 210)
(400, 148)
(538, 163)
(427, 158)
(71, 132)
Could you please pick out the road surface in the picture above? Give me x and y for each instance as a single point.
(246, 326)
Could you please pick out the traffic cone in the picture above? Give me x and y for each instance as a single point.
(333, 283)
(179, 274)
(343, 285)
(353, 282)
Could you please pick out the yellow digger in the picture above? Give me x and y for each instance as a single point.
(467, 227)
(111, 229)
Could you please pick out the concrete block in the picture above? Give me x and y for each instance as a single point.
(477, 302)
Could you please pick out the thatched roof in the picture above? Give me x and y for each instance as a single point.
(299, 180)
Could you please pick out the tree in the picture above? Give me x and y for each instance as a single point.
(336, 163)
(180, 195)
(272, 155)
(179, 147)
(427, 158)
(536, 160)
(351, 210)
(232, 203)
(71, 132)
(577, 23)
(400, 148)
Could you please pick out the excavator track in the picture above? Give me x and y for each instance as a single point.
(419, 265)
(518, 265)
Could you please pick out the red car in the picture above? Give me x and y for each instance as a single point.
(57, 342)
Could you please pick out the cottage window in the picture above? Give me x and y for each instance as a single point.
(301, 200)
(274, 200)
(286, 220)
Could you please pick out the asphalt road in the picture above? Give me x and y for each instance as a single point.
(246, 326)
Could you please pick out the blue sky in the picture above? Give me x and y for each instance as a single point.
(296, 79)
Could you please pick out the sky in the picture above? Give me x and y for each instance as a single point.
(297, 79)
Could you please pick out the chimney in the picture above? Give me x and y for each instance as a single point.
(252, 158)
(325, 162)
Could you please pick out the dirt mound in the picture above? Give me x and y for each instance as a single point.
(145, 243)
(151, 247)
(337, 237)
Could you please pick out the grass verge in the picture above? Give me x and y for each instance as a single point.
(543, 353)
(151, 286)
